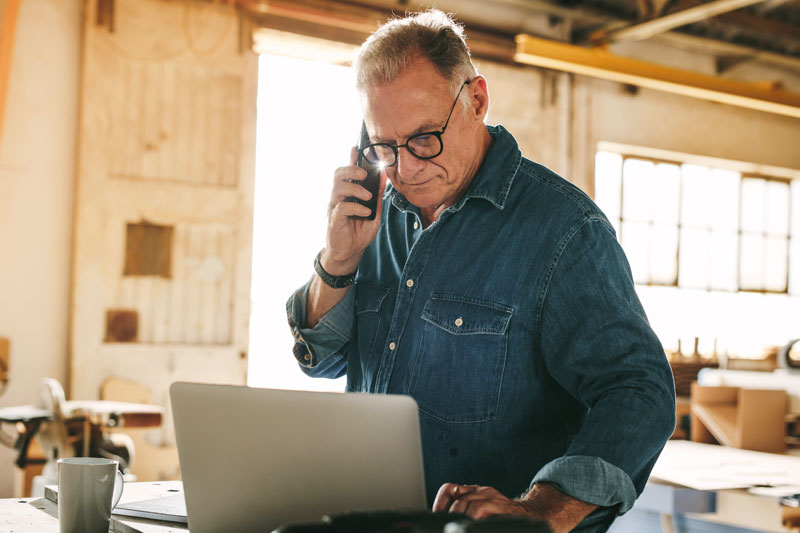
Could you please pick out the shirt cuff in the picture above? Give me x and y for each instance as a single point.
(590, 479)
(334, 330)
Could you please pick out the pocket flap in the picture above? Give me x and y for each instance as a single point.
(369, 296)
(467, 316)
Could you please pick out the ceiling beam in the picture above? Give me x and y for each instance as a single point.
(352, 23)
(599, 63)
(9, 10)
(649, 28)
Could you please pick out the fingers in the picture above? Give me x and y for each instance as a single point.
(345, 185)
(445, 497)
(344, 209)
(450, 493)
(474, 501)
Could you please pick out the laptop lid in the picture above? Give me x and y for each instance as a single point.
(254, 459)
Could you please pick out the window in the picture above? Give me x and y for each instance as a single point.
(714, 251)
(301, 104)
(699, 227)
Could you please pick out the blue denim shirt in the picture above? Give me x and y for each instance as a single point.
(513, 322)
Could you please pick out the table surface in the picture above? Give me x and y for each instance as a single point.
(40, 515)
(732, 507)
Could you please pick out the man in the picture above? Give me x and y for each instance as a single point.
(489, 289)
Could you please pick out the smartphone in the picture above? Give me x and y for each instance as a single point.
(373, 179)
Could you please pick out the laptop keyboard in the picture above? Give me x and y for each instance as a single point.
(415, 522)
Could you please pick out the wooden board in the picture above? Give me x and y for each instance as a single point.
(167, 136)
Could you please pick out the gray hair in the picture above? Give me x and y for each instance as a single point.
(431, 35)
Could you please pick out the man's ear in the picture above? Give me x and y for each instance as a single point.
(479, 91)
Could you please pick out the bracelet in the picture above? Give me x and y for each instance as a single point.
(335, 282)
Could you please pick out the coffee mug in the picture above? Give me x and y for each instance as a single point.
(88, 488)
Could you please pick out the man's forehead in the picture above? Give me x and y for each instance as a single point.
(393, 113)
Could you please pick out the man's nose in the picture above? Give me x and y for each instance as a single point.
(407, 164)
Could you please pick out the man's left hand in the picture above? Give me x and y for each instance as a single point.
(477, 502)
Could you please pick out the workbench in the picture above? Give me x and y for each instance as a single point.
(40, 515)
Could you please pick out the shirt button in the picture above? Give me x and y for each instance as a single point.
(416, 225)
(392, 346)
(459, 322)
(307, 357)
(410, 283)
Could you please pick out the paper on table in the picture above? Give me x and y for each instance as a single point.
(711, 467)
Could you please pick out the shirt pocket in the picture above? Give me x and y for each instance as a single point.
(370, 300)
(458, 369)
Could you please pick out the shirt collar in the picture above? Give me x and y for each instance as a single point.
(493, 180)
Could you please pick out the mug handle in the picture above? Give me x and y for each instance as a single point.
(119, 485)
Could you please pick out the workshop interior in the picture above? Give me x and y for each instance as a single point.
(164, 174)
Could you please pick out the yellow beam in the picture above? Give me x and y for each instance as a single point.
(8, 23)
(600, 63)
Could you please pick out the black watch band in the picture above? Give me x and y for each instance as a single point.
(335, 282)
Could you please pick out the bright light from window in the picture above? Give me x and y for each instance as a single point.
(308, 120)
(681, 227)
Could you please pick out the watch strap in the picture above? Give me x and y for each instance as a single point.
(335, 282)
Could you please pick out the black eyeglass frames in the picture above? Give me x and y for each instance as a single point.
(425, 145)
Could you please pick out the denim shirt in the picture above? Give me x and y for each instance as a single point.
(512, 320)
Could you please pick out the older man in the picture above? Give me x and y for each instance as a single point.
(489, 289)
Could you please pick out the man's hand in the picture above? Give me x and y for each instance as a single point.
(347, 237)
(543, 502)
(476, 502)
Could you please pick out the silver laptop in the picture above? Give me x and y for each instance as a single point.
(254, 459)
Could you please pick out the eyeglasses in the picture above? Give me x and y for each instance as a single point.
(425, 145)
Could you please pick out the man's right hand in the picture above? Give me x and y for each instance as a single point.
(347, 237)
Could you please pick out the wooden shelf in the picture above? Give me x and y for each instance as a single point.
(740, 418)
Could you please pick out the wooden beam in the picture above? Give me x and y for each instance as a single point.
(649, 28)
(8, 25)
(599, 63)
(352, 23)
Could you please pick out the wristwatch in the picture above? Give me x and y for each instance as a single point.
(335, 282)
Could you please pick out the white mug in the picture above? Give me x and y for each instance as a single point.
(88, 488)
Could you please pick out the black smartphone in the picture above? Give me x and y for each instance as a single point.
(373, 179)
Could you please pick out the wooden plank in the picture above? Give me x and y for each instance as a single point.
(8, 27)
(720, 421)
(148, 145)
(225, 290)
(676, 19)
(602, 64)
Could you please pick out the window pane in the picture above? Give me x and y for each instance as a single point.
(777, 208)
(754, 199)
(794, 265)
(724, 248)
(635, 243)
(607, 182)
(776, 259)
(664, 254)
(637, 190)
(725, 204)
(751, 268)
(666, 193)
(696, 200)
(694, 259)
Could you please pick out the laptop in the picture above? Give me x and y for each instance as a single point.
(255, 459)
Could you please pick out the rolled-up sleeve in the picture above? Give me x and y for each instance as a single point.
(606, 356)
(320, 350)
